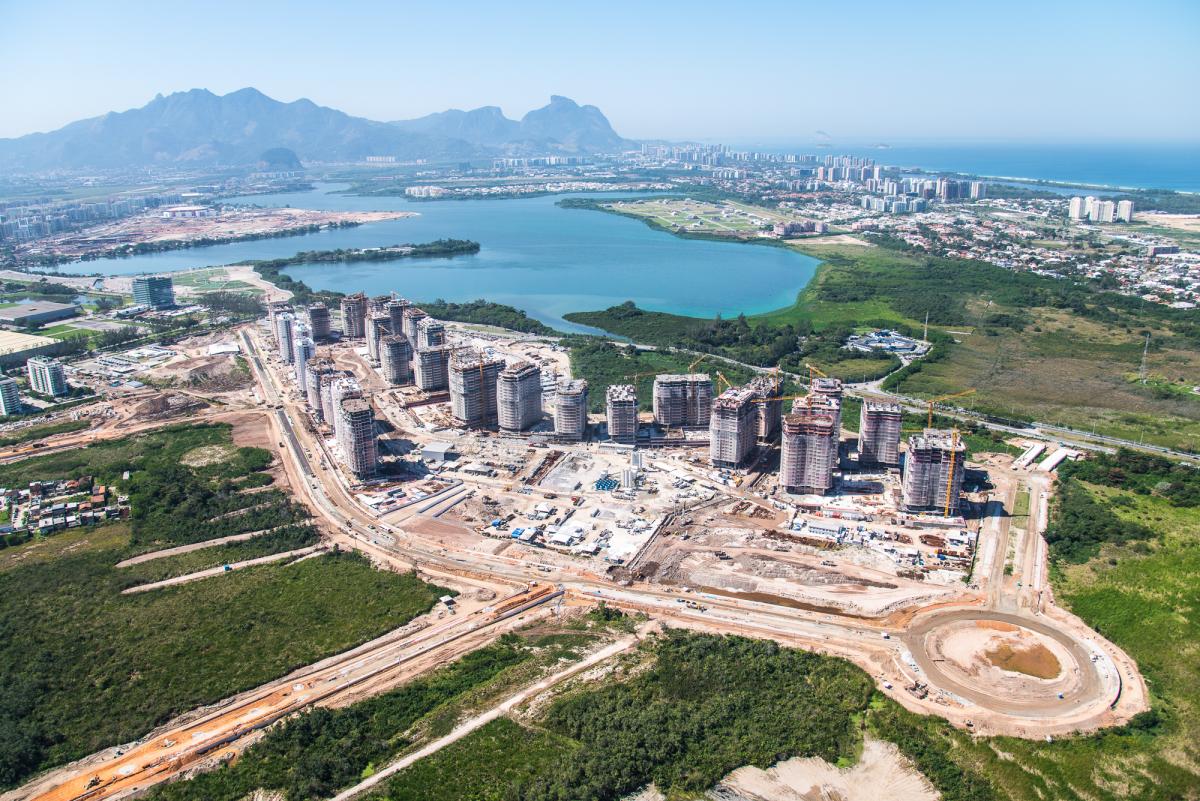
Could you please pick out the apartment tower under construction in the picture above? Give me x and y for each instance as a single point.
(473, 379)
(879, 434)
(354, 316)
(395, 355)
(733, 427)
(933, 472)
(682, 400)
(571, 409)
(809, 450)
(519, 397)
(357, 437)
(621, 409)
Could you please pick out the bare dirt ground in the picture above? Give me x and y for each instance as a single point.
(882, 772)
(1182, 222)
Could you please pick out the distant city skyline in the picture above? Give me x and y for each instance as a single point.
(858, 72)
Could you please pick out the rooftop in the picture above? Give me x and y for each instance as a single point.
(15, 341)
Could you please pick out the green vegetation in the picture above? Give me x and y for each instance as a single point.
(500, 761)
(482, 312)
(272, 269)
(33, 433)
(86, 667)
(288, 538)
(1083, 521)
(322, 751)
(707, 705)
(602, 363)
(788, 345)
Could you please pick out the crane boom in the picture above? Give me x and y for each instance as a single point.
(963, 394)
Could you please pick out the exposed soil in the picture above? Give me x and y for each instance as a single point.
(1032, 659)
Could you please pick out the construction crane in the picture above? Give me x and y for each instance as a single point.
(699, 359)
(721, 377)
(779, 398)
(962, 394)
(814, 370)
(950, 471)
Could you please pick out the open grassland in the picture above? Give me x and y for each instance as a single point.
(86, 667)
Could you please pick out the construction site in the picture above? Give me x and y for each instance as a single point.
(470, 456)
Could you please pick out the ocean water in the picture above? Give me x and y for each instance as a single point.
(534, 255)
(1142, 166)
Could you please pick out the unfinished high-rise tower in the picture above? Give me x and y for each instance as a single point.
(621, 409)
(768, 407)
(733, 427)
(809, 450)
(570, 409)
(473, 378)
(933, 472)
(519, 397)
(318, 322)
(395, 355)
(354, 316)
(879, 433)
(357, 437)
(682, 400)
(431, 368)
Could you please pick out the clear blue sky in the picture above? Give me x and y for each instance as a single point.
(968, 70)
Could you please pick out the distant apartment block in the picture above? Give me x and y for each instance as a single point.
(10, 397)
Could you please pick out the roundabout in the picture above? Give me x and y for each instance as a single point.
(1012, 664)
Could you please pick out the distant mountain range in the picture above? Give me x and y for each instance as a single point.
(199, 128)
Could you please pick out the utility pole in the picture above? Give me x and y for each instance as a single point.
(925, 336)
(1145, 350)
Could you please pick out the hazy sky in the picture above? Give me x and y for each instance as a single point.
(889, 71)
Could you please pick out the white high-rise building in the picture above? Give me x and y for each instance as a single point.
(303, 350)
(1077, 209)
(1125, 210)
(10, 397)
(46, 376)
(283, 336)
(1106, 211)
